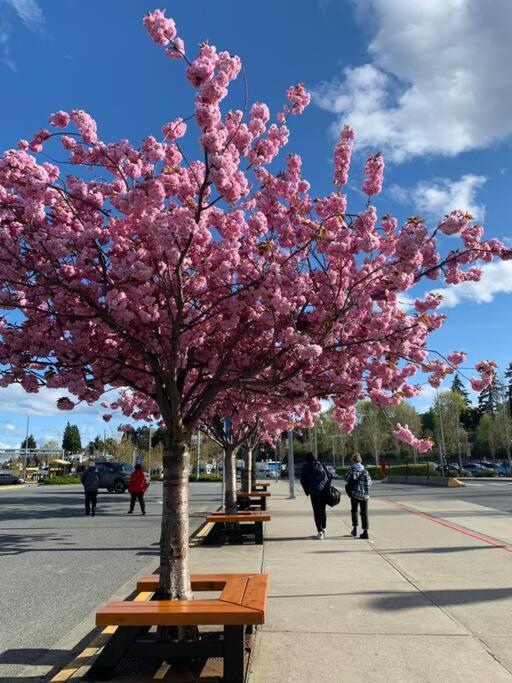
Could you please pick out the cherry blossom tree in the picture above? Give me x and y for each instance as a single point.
(180, 279)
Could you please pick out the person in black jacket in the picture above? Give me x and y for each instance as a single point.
(315, 480)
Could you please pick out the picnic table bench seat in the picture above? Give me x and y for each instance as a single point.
(240, 606)
(246, 521)
(245, 498)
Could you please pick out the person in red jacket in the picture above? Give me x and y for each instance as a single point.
(137, 488)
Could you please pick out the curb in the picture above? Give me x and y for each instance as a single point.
(77, 667)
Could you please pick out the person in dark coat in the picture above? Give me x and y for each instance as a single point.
(315, 479)
(358, 488)
(90, 481)
(137, 488)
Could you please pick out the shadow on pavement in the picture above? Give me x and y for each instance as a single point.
(442, 598)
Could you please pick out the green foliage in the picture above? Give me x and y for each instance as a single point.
(60, 481)
(459, 388)
(30, 442)
(71, 441)
(424, 470)
(205, 477)
(485, 473)
(374, 471)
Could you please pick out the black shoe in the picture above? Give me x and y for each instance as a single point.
(364, 535)
(93, 513)
(143, 512)
(87, 514)
(354, 532)
(130, 512)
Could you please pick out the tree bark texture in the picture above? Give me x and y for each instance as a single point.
(246, 472)
(174, 537)
(230, 474)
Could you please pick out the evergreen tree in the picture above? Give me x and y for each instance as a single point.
(71, 441)
(489, 398)
(508, 377)
(459, 388)
(28, 443)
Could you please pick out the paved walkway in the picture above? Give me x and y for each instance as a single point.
(427, 600)
(421, 602)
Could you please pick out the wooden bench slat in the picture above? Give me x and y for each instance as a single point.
(234, 590)
(253, 494)
(256, 592)
(249, 516)
(200, 582)
(177, 613)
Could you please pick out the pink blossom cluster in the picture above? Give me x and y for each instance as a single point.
(486, 370)
(374, 172)
(342, 156)
(215, 278)
(404, 434)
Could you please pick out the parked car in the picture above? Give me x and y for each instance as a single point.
(10, 478)
(475, 469)
(503, 470)
(115, 476)
(455, 467)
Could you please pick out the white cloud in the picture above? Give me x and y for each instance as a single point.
(30, 14)
(9, 429)
(436, 82)
(497, 279)
(438, 197)
(13, 399)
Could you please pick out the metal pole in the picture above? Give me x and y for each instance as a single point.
(26, 449)
(333, 457)
(149, 452)
(443, 451)
(291, 466)
(198, 453)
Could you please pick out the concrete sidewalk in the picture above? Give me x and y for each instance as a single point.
(421, 602)
(426, 600)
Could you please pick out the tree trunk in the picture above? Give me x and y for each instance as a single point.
(246, 472)
(174, 556)
(253, 473)
(230, 477)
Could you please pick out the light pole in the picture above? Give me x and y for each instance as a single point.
(443, 451)
(149, 451)
(26, 449)
(291, 467)
(198, 453)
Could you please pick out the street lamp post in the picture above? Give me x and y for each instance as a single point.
(26, 449)
(291, 466)
(198, 453)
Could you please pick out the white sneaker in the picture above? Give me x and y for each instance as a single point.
(320, 536)
(324, 532)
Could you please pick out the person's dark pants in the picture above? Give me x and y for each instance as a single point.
(90, 502)
(318, 503)
(363, 506)
(140, 498)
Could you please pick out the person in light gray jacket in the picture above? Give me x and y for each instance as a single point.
(90, 481)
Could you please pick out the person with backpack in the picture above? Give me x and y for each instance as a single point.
(90, 481)
(137, 487)
(358, 489)
(315, 480)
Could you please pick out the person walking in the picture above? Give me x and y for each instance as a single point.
(137, 488)
(358, 489)
(90, 481)
(315, 480)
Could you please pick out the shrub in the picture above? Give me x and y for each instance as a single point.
(373, 470)
(60, 481)
(485, 473)
(413, 471)
(205, 477)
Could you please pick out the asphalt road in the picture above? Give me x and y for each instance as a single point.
(490, 493)
(58, 566)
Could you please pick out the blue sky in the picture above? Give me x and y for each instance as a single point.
(427, 83)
